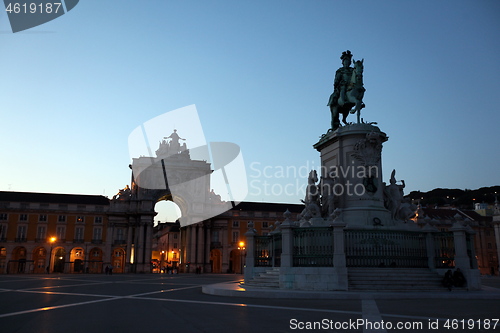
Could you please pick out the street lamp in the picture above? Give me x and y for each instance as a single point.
(161, 260)
(241, 247)
(52, 240)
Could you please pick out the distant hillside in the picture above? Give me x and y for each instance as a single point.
(464, 199)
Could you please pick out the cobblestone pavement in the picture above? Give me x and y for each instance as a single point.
(175, 303)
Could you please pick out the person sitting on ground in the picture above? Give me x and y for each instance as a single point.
(458, 278)
(448, 280)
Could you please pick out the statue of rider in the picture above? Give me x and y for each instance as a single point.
(341, 81)
(175, 145)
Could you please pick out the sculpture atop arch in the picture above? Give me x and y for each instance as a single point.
(170, 145)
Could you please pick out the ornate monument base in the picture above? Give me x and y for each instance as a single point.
(351, 155)
(356, 231)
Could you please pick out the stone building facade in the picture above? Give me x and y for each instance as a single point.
(217, 245)
(64, 233)
(92, 232)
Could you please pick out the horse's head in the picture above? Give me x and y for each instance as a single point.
(357, 73)
(358, 66)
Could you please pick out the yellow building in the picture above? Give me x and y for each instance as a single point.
(45, 232)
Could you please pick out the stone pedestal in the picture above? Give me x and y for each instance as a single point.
(352, 155)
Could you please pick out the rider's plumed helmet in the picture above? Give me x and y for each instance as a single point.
(346, 55)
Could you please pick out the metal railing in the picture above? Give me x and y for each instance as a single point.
(312, 247)
(444, 245)
(385, 248)
(263, 251)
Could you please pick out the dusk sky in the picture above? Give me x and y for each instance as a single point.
(260, 74)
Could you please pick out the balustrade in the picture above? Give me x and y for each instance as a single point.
(445, 250)
(380, 248)
(312, 247)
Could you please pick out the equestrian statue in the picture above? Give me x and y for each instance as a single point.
(348, 90)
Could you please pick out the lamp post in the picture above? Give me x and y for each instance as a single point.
(52, 240)
(161, 260)
(241, 247)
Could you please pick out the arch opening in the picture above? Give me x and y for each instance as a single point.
(167, 211)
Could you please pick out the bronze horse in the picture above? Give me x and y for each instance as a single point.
(354, 97)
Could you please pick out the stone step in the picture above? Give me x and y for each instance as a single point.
(399, 285)
(401, 279)
(395, 278)
(260, 284)
(272, 273)
(389, 270)
(268, 279)
(265, 279)
(396, 287)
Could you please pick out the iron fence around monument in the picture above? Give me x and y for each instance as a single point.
(385, 248)
(268, 251)
(263, 250)
(444, 246)
(312, 247)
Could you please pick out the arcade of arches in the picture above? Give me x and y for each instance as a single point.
(59, 259)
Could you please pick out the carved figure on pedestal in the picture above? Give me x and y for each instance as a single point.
(394, 195)
(311, 201)
(214, 197)
(348, 90)
(123, 194)
(407, 210)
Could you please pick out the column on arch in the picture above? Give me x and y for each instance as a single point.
(200, 245)
(192, 247)
(140, 248)
(129, 243)
(148, 246)
(225, 249)
(208, 239)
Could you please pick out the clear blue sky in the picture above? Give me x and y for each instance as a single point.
(260, 74)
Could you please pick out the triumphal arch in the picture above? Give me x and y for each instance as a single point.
(169, 174)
